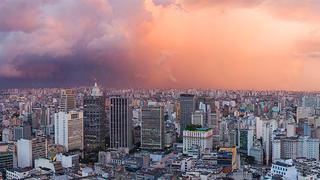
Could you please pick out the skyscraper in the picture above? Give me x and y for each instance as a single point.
(68, 100)
(152, 128)
(95, 121)
(187, 106)
(68, 129)
(120, 123)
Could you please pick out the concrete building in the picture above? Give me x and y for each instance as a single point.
(24, 153)
(7, 135)
(276, 150)
(44, 163)
(69, 161)
(213, 123)
(29, 150)
(291, 129)
(6, 157)
(257, 153)
(152, 128)
(200, 137)
(304, 112)
(186, 164)
(259, 126)
(68, 129)
(39, 147)
(16, 174)
(120, 123)
(296, 147)
(197, 118)
(285, 169)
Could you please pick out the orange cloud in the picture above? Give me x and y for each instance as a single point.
(243, 48)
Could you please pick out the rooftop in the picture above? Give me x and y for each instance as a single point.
(193, 127)
(278, 163)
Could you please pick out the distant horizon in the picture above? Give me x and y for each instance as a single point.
(232, 44)
(155, 88)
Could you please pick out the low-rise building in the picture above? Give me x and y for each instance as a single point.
(285, 169)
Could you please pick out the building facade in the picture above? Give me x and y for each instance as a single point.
(68, 100)
(296, 147)
(187, 107)
(120, 123)
(95, 121)
(200, 137)
(69, 129)
(152, 128)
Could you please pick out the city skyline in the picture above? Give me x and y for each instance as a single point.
(256, 44)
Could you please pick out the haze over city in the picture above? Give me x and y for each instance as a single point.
(231, 44)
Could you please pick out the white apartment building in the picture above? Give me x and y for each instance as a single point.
(68, 129)
(24, 153)
(284, 168)
(200, 137)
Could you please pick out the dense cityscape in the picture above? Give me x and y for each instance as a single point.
(98, 133)
(160, 89)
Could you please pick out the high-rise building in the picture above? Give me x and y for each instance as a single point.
(68, 100)
(95, 122)
(39, 147)
(120, 123)
(152, 128)
(213, 123)
(187, 107)
(35, 118)
(276, 150)
(29, 150)
(68, 129)
(46, 123)
(24, 153)
(246, 141)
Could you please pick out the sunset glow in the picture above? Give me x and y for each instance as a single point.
(238, 44)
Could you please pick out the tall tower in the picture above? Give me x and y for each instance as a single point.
(152, 128)
(95, 121)
(120, 123)
(68, 100)
(187, 107)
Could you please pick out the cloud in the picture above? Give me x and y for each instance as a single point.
(242, 44)
(163, 2)
(19, 15)
(73, 41)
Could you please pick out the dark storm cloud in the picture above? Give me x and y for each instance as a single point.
(69, 42)
(80, 68)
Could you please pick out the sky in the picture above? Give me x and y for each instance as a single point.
(218, 44)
